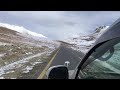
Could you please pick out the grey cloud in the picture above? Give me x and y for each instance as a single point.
(60, 24)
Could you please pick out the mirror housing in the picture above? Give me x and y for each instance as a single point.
(58, 72)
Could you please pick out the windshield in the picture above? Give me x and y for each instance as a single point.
(104, 62)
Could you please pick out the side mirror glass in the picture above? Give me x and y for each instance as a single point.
(58, 72)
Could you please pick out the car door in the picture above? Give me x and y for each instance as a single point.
(104, 62)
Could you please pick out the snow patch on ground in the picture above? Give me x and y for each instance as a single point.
(1, 55)
(31, 39)
(84, 50)
(2, 43)
(28, 53)
(10, 72)
(27, 69)
(36, 63)
(84, 43)
(6, 69)
(12, 78)
(2, 78)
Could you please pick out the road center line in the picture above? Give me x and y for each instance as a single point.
(46, 68)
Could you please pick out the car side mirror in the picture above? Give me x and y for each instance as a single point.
(57, 72)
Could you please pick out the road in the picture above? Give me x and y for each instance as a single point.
(62, 55)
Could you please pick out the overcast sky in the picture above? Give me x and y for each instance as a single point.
(59, 24)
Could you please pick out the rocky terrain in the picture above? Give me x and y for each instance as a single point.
(83, 43)
(20, 51)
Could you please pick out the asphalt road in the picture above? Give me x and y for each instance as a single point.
(67, 54)
(62, 55)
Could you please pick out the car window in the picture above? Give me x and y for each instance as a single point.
(104, 62)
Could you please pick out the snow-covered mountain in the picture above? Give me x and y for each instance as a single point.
(23, 31)
(83, 43)
(21, 50)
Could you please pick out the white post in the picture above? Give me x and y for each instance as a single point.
(67, 63)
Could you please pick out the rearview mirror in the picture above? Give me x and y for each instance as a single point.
(58, 72)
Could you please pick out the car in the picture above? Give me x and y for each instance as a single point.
(102, 61)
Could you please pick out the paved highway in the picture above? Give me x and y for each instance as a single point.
(62, 55)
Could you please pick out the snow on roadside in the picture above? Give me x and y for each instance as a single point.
(36, 63)
(13, 78)
(28, 53)
(1, 55)
(28, 68)
(84, 43)
(2, 43)
(10, 72)
(5, 69)
(82, 49)
(2, 78)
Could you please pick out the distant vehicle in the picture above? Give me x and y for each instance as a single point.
(102, 61)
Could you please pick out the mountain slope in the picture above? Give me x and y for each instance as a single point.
(21, 51)
(22, 30)
(84, 43)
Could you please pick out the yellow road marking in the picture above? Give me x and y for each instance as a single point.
(48, 65)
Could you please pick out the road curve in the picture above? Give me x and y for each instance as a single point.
(67, 54)
(63, 54)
